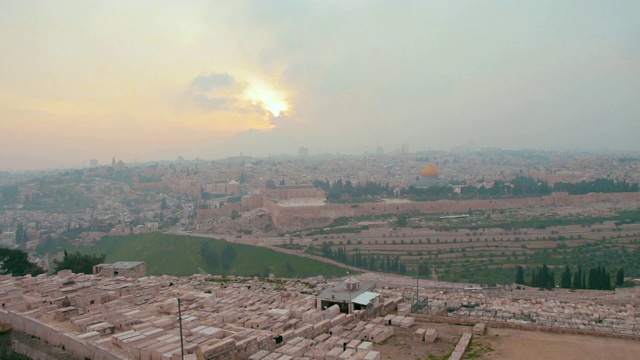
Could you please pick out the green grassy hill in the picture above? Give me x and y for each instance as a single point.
(182, 255)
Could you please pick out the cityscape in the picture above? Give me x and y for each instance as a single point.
(279, 180)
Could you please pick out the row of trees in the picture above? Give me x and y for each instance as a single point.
(597, 279)
(598, 185)
(16, 263)
(341, 192)
(78, 263)
(370, 262)
(431, 193)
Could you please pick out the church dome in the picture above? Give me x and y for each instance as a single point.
(430, 171)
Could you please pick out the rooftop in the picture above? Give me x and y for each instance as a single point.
(339, 293)
(124, 265)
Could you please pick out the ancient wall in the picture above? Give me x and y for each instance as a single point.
(526, 327)
(5, 340)
(300, 217)
(289, 218)
(56, 337)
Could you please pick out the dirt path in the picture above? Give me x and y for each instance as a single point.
(506, 344)
(533, 345)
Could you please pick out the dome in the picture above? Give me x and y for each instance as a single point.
(430, 171)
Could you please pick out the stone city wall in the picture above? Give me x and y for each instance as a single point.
(299, 217)
(56, 337)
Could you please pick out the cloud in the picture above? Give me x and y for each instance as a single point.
(214, 80)
(214, 92)
(342, 75)
(225, 95)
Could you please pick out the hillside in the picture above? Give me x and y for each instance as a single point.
(182, 255)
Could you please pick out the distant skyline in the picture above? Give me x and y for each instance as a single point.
(154, 80)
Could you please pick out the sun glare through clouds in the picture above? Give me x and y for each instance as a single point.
(267, 97)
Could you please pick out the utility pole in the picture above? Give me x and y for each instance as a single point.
(180, 322)
(349, 288)
(417, 287)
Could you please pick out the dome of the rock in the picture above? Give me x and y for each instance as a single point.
(430, 171)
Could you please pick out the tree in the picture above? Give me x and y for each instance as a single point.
(163, 204)
(16, 263)
(289, 268)
(326, 250)
(543, 278)
(565, 282)
(551, 281)
(228, 257)
(520, 275)
(78, 263)
(210, 255)
(402, 220)
(21, 235)
(620, 277)
(577, 279)
(235, 214)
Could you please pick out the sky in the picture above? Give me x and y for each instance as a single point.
(154, 80)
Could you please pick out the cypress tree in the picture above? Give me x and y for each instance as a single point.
(565, 282)
(551, 282)
(592, 279)
(543, 276)
(577, 279)
(620, 277)
(520, 275)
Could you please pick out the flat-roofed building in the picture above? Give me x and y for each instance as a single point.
(129, 269)
(349, 295)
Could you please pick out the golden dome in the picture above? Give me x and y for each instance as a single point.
(430, 171)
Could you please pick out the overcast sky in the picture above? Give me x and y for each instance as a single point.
(152, 80)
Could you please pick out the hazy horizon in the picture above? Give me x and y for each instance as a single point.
(152, 80)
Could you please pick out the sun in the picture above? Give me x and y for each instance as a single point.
(267, 97)
(276, 107)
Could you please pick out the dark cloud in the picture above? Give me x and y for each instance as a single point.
(214, 92)
(212, 81)
(213, 103)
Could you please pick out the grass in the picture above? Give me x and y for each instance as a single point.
(483, 257)
(475, 350)
(179, 255)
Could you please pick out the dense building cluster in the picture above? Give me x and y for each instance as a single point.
(112, 317)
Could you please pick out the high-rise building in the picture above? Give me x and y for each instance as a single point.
(303, 152)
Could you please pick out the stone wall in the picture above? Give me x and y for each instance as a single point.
(5, 340)
(299, 217)
(526, 327)
(56, 337)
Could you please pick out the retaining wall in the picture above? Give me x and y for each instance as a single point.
(526, 327)
(56, 337)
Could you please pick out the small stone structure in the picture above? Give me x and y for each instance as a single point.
(128, 269)
(479, 329)
(460, 349)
